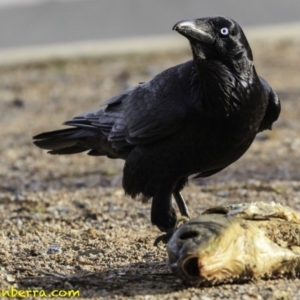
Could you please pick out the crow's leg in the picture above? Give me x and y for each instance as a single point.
(179, 199)
(163, 214)
(181, 204)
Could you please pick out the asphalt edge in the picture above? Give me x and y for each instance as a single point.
(137, 45)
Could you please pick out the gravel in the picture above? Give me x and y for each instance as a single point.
(65, 222)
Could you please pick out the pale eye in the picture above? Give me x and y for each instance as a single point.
(224, 31)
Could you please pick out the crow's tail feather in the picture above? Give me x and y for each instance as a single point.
(65, 141)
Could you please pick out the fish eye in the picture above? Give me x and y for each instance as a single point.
(224, 31)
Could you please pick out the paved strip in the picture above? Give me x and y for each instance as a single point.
(55, 21)
(161, 43)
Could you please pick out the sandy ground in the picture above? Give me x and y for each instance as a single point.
(65, 222)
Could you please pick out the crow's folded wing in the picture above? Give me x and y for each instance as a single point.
(145, 113)
(159, 107)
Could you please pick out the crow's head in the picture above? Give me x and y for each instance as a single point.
(218, 38)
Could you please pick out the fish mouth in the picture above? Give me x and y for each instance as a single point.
(190, 267)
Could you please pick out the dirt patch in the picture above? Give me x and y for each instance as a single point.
(65, 222)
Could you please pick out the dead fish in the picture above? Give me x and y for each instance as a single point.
(237, 243)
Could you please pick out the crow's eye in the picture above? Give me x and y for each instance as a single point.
(224, 31)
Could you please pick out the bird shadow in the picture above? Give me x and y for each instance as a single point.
(130, 280)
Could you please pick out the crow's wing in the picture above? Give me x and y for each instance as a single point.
(273, 108)
(159, 107)
(144, 113)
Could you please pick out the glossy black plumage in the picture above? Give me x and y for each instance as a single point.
(192, 119)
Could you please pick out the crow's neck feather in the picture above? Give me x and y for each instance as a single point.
(219, 87)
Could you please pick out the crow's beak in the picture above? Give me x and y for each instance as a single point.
(196, 30)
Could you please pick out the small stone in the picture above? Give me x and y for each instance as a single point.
(54, 249)
(17, 102)
(9, 278)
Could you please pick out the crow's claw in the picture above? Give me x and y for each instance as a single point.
(163, 238)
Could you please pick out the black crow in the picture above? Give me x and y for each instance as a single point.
(195, 118)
